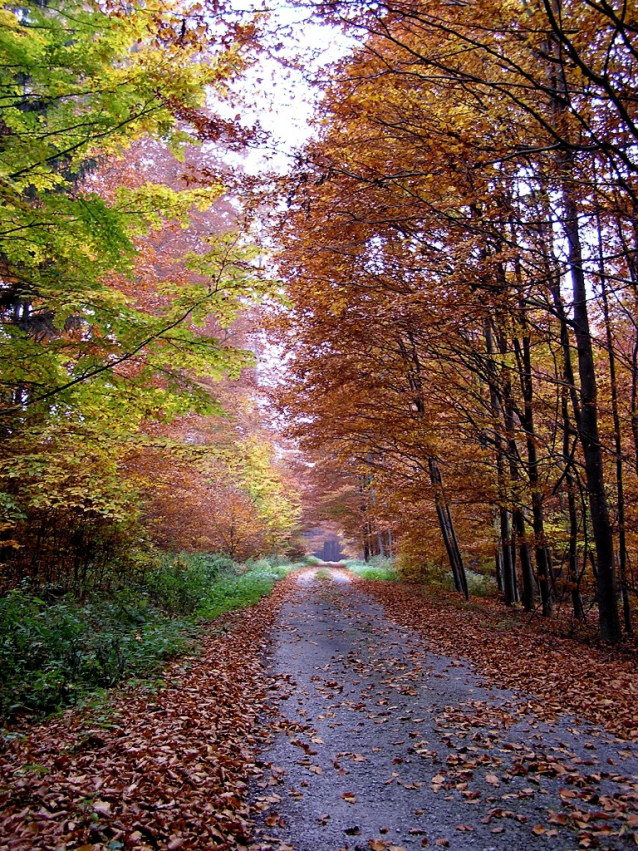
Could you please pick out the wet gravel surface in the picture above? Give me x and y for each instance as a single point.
(382, 744)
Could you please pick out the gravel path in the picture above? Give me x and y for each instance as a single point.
(382, 744)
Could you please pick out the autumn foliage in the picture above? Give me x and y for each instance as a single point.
(124, 270)
(460, 250)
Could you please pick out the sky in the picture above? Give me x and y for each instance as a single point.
(282, 97)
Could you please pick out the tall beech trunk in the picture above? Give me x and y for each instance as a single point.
(631, 258)
(446, 524)
(569, 392)
(541, 551)
(518, 541)
(620, 488)
(587, 422)
(572, 554)
(447, 530)
(505, 530)
(609, 622)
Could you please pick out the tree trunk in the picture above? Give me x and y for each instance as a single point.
(572, 555)
(541, 552)
(609, 622)
(447, 530)
(504, 519)
(620, 489)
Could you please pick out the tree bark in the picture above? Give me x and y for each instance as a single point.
(447, 530)
(620, 489)
(609, 622)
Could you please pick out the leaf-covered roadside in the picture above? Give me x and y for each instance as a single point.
(598, 685)
(166, 769)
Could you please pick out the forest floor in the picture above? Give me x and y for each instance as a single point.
(343, 714)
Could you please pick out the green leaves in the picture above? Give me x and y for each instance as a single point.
(114, 307)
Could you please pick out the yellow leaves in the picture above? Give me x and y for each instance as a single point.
(153, 204)
(10, 20)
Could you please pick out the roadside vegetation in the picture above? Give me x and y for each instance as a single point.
(378, 567)
(57, 650)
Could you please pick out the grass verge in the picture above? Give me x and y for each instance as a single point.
(378, 568)
(56, 650)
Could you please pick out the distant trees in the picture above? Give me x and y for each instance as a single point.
(460, 250)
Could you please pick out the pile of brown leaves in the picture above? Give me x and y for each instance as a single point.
(597, 684)
(162, 770)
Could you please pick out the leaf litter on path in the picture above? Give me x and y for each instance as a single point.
(172, 768)
(484, 768)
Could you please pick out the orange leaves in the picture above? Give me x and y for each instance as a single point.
(563, 674)
(167, 766)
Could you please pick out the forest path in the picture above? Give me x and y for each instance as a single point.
(383, 744)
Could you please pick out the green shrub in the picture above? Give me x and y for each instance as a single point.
(378, 568)
(56, 649)
(179, 584)
(481, 584)
(52, 654)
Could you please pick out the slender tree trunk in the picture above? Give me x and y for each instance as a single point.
(504, 517)
(609, 622)
(569, 391)
(620, 489)
(447, 530)
(572, 555)
(541, 552)
(411, 358)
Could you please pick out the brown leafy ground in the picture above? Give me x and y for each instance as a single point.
(160, 770)
(597, 684)
(172, 769)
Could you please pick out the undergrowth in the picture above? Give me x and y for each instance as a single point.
(377, 568)
(56, 649)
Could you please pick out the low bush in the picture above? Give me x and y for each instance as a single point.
(379, 568)
(56, 649)
(478, 584)
(51, 654)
